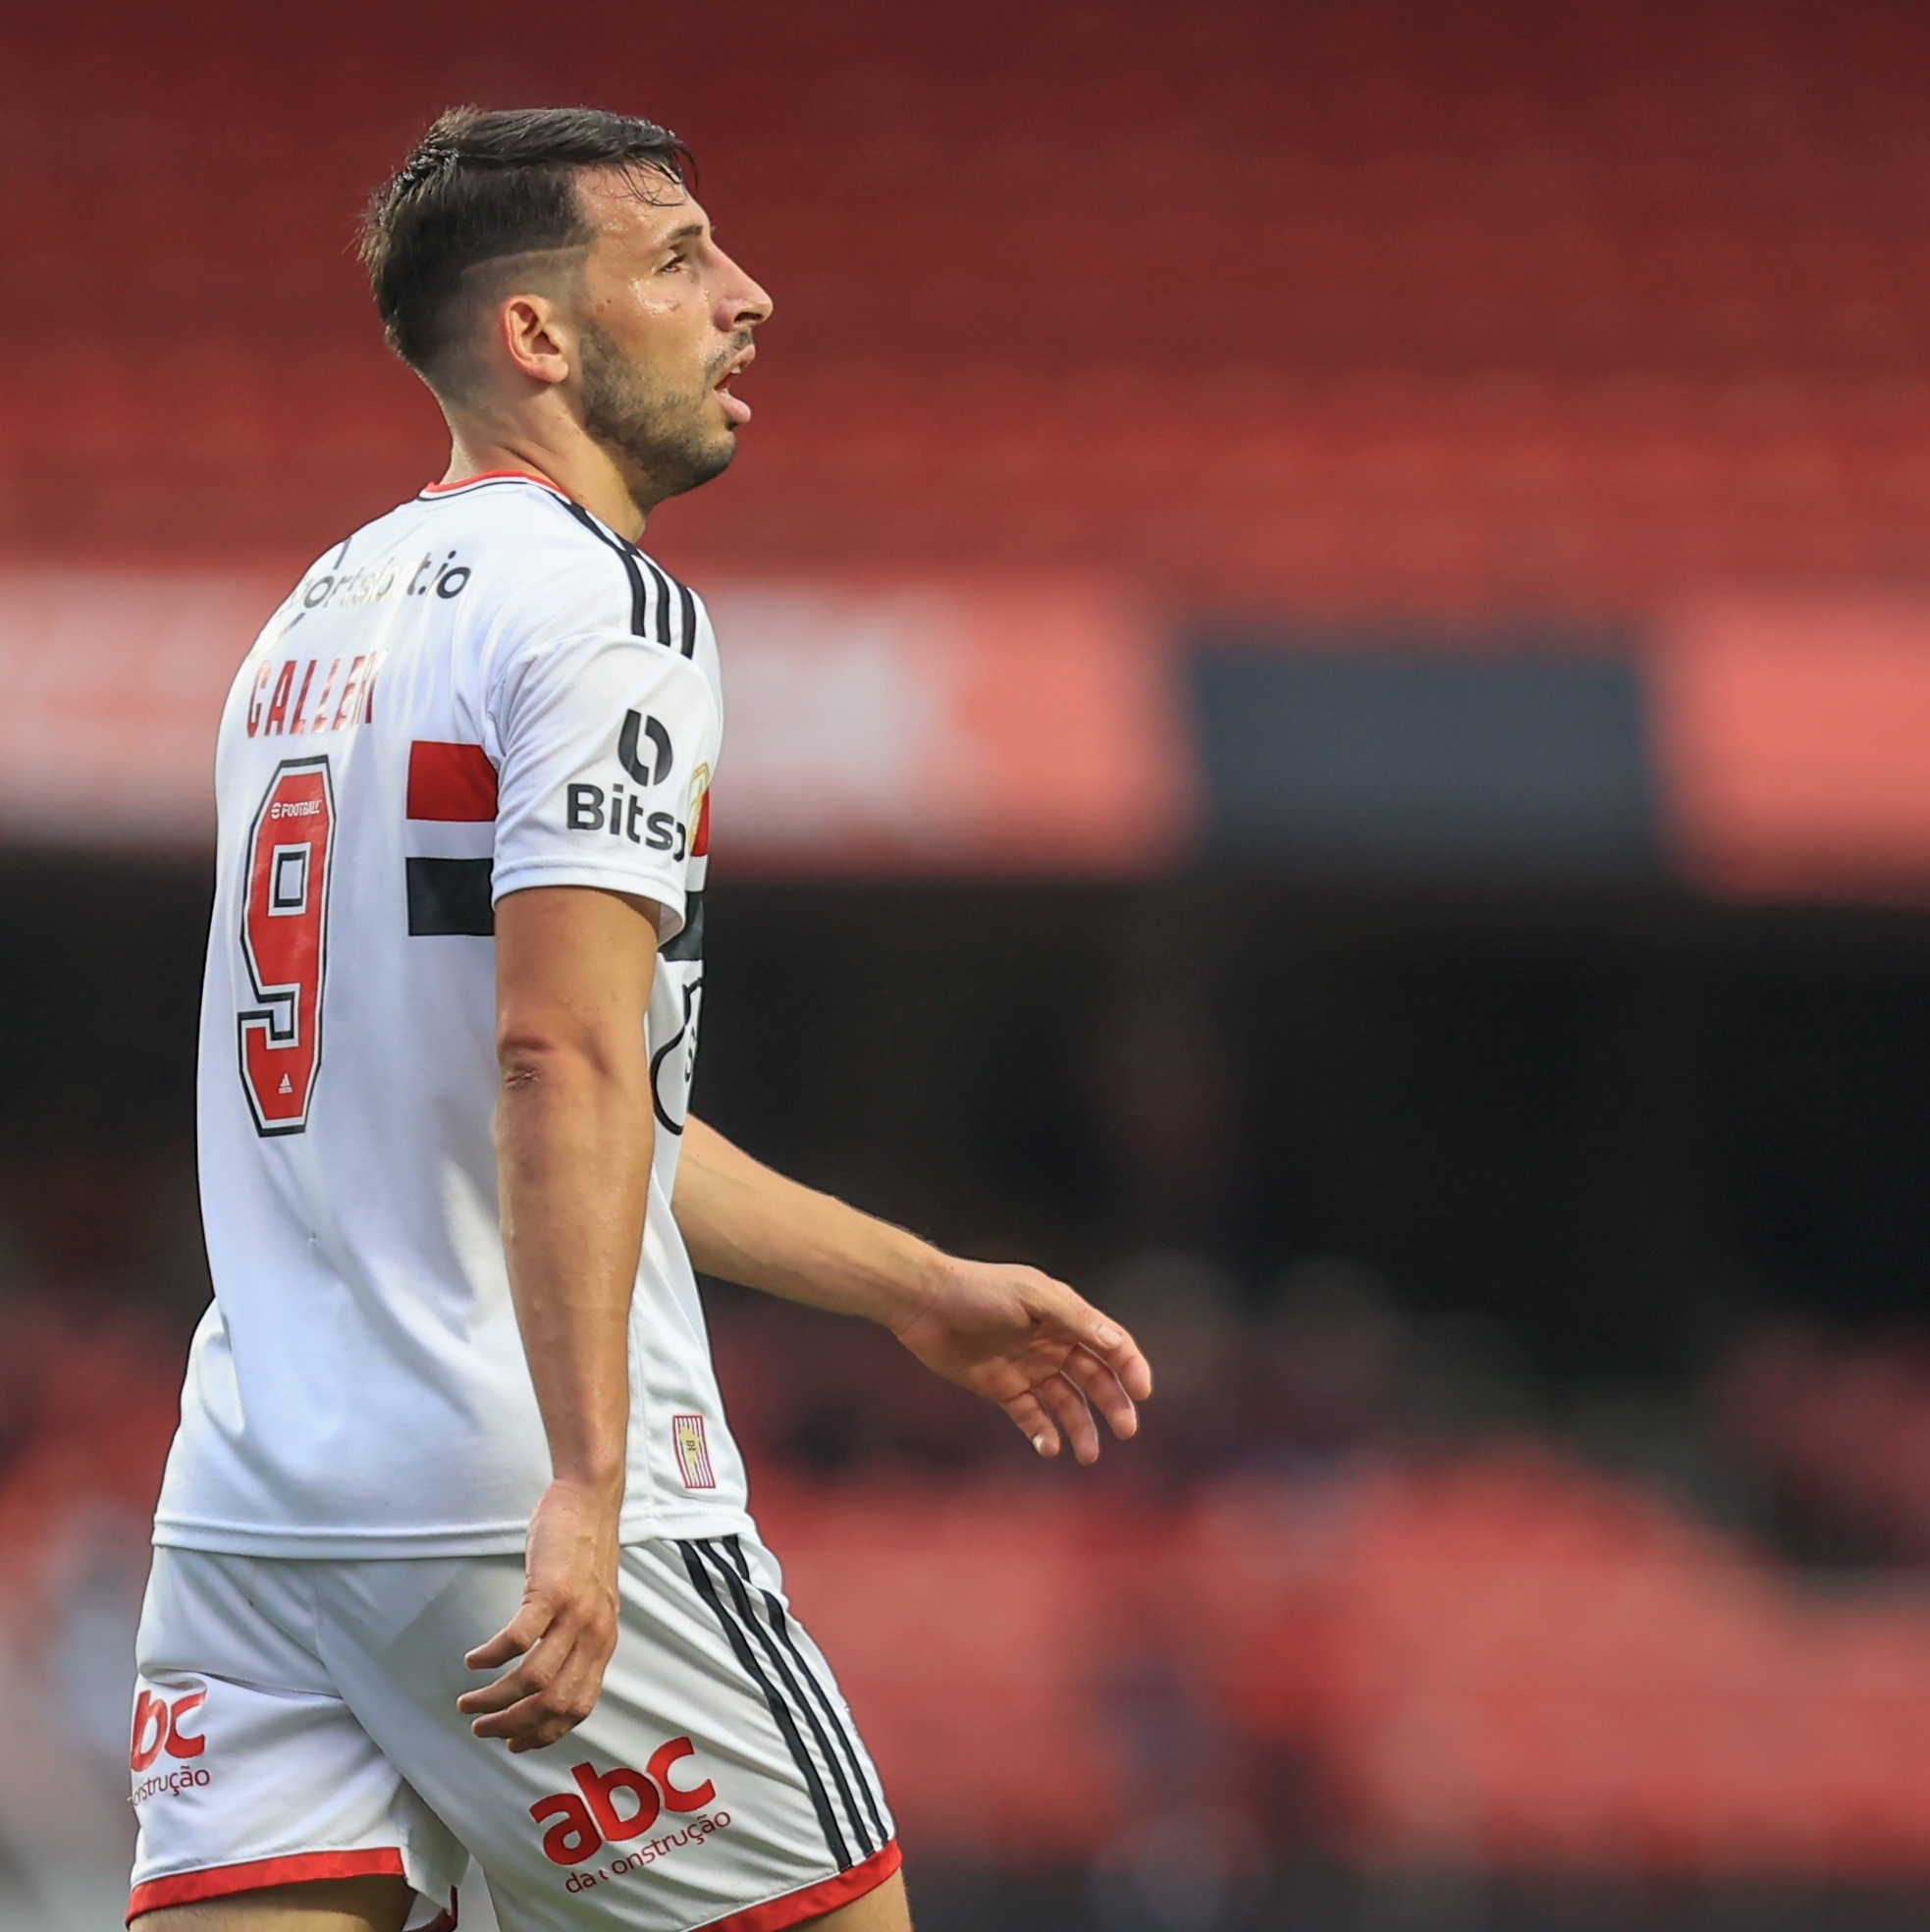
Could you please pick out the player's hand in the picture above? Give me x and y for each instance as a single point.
(563, 1634)
(1027, 1342)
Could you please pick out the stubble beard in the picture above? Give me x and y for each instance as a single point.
(663, 435)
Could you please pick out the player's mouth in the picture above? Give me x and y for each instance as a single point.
(736, 408)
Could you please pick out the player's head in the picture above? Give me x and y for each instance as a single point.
(556, 258)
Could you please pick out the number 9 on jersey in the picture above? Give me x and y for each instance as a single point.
(284, 942)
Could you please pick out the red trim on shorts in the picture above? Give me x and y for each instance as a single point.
(794, 1907)
(488, 476)
(219, 1881)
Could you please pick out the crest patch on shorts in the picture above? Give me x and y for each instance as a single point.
(693, 1453)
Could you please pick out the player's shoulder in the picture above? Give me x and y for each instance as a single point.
(546, 567)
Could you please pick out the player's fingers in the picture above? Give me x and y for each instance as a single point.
(557, 1708)
(1107, 1340)
(527, 1726)
(533, 1724)
(1075, 1419)
(541, 1718)
(1034, 1423)
(528, 1678)
(503, 1694)
(511, 1724)
(560, 1710)
(1121, 1354)
(534, 1673)
(514, 1638)
(1102, 1389)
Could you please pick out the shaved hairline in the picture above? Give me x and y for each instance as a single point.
(485, 282)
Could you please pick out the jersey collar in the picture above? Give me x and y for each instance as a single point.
(435, 490)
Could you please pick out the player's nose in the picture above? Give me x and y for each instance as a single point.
(745, 302)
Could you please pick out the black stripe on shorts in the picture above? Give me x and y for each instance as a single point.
(705, 1585)
(838, 1720)
(869, 1840)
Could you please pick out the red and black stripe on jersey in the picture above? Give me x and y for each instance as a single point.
(455, 782)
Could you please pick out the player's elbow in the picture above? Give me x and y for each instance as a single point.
(536, 1054)
(524, 1060)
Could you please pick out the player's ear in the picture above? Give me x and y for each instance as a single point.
(536, 336)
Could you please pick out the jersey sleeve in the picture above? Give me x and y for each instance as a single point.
(604, 745)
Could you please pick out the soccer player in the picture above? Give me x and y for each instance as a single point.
(453, 1483)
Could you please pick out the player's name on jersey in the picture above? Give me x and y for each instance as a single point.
(279, 699)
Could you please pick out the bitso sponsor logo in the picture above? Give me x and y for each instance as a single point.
(636, 727)
(611, 1807)
(621, 815)
(643, 749)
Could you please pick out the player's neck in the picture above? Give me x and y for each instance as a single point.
(580, 468)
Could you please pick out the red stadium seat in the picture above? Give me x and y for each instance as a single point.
(1121, 304)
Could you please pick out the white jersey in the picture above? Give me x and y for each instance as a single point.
(485, 690)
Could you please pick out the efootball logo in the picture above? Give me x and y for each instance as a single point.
(638, 728)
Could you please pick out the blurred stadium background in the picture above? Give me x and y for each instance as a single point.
(1329, 616)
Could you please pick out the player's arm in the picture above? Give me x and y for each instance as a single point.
(1011, 1334)
(574, 1133)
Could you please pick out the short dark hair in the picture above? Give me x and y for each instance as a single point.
(481, 186)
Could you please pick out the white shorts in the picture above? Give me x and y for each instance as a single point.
(296, 1720)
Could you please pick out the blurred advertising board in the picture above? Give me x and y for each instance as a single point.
(986, 727)
(1793, 736)
(1351, 751)
(114, 682)
(994, 727)
(1750, 744)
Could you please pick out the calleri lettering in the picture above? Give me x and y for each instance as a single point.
(609, 1806)
(621, 815)
(157, 1729)
(278, 701)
